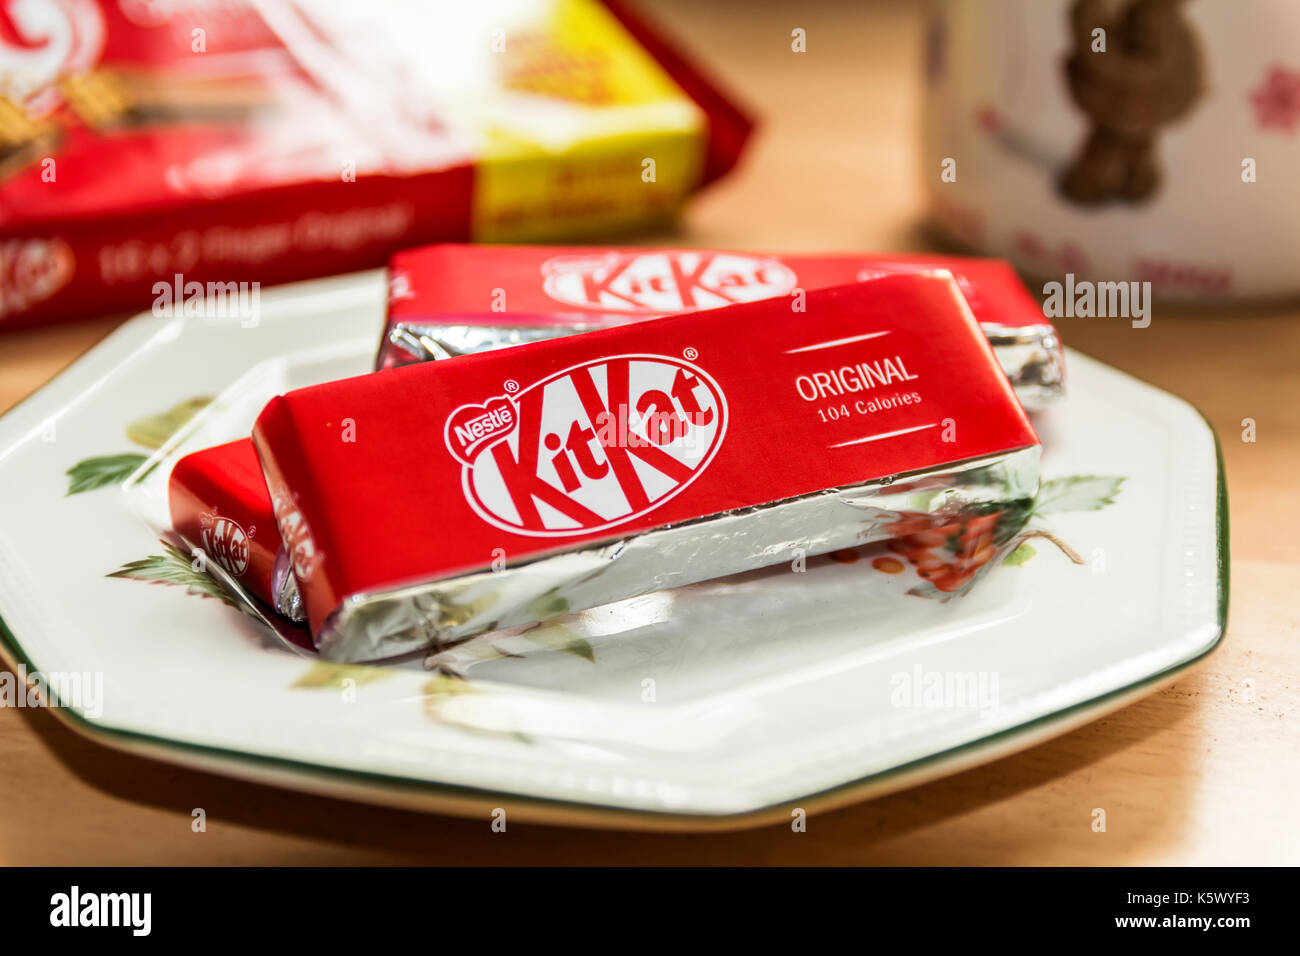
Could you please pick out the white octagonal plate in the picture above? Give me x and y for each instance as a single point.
(718, 705)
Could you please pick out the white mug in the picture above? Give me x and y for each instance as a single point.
(1139, 140)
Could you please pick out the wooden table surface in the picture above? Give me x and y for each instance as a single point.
(1202, 772)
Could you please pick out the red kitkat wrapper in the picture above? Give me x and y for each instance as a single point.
(219, 504)
(449, 298)
(437, 501)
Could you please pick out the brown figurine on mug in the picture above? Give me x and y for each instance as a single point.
(1135, 67)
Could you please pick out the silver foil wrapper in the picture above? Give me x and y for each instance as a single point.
(426, 615)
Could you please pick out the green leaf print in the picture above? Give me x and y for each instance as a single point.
(173, 567)
(557, 637)
(152, 431)
(1019, 556)
(1077, 493)
(327, 675)
(91, 473)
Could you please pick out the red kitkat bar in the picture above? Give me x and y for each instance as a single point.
(623, 284)
(445, 499)
(529, 289)
(219, 504)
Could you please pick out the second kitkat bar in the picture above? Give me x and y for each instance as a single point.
(450, 299)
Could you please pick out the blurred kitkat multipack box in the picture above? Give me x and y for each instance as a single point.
(157, 141)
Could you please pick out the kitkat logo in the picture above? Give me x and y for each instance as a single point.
(32, 270)
(588, 448)
(660, 283)
(43, 40)
(296, 535)
(225, 541)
